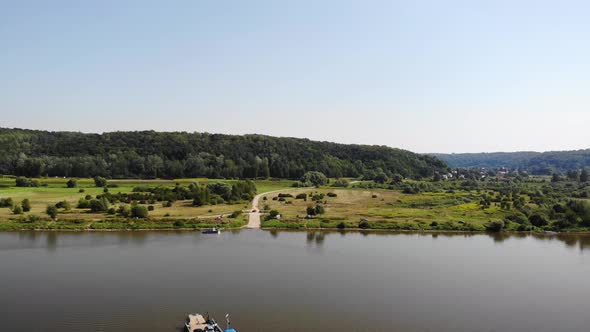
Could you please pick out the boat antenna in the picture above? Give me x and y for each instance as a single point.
(227, 321)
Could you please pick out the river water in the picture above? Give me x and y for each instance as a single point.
(294, 281)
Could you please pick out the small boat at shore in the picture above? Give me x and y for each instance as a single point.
(198, 323)
(213, 230)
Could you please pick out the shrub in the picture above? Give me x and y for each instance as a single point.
(139, 211)
(72, 183)
(364, 224)
(179, 224)
(235, 214)
(99, 205)
(99, 181)
(112, 211)
(63, 205)
(17, 210)
(301, 196)
(26, 204)
(311, 211)
(332, 194)
(340, 183)
(6, 202)
(314, 178)
(319, 209)
(167, 204)
(51, 210)
(341, 225)
(83, 204)
(150, 208)
(123, 211)
(81, 190)
(26, 182)
(538, 220)
(495, 226)
(272, 215)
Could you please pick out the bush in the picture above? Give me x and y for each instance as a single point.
(26, 204)
(6, 202)
(150, 208)
(301, 196)
(99, 205)
(123, 211)
(179, 224)
(332, 195)
(63, 205)
(72, 183)
(112, 211)
(139, 211)
(99, 181)
(83, 204)
(538, 220)
(319, 209)
(341, 225)
(272, 215)
(167, 204)
(51, 210)
(26, 182)
(364, 224)
(17, 210)
(81, 190)
(235, 214)
(340, 183)
(314, 178)
(495, 226)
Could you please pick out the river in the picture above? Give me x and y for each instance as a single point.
(294, 281)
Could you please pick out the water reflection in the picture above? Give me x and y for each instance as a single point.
(317, 238)
(53, 240)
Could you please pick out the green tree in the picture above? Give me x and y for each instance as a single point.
(314, 178)
(319, 209)
(99, 181)
(584, 176)
(72, 183)
(51, 210)
(139, 211)
(26, 204)
(555, 178)
(17, 210)
(380, 177)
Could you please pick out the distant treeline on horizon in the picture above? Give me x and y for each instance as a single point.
(150, 154)
(537, 163)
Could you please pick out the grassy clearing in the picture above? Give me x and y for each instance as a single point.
(182, 214)
(383, 209)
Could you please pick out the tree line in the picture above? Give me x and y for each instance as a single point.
(150, 154)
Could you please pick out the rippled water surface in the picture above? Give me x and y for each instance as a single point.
(294, 281)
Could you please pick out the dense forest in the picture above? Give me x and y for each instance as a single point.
(150, 154)
(538, 163)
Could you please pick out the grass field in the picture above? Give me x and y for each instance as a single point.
(54, 190)
(383, 209)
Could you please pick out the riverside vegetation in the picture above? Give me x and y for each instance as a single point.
(101, 204)
(469, 201)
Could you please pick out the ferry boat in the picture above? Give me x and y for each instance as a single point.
(213, 230)
(198, 323)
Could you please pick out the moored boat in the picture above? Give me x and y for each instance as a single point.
(199, 323)
(213, 230)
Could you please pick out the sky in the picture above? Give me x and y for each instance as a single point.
(426, 76)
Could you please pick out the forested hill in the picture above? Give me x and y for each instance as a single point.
(149, 154)
(535, 162)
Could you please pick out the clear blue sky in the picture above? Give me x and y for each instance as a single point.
(427, 76)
